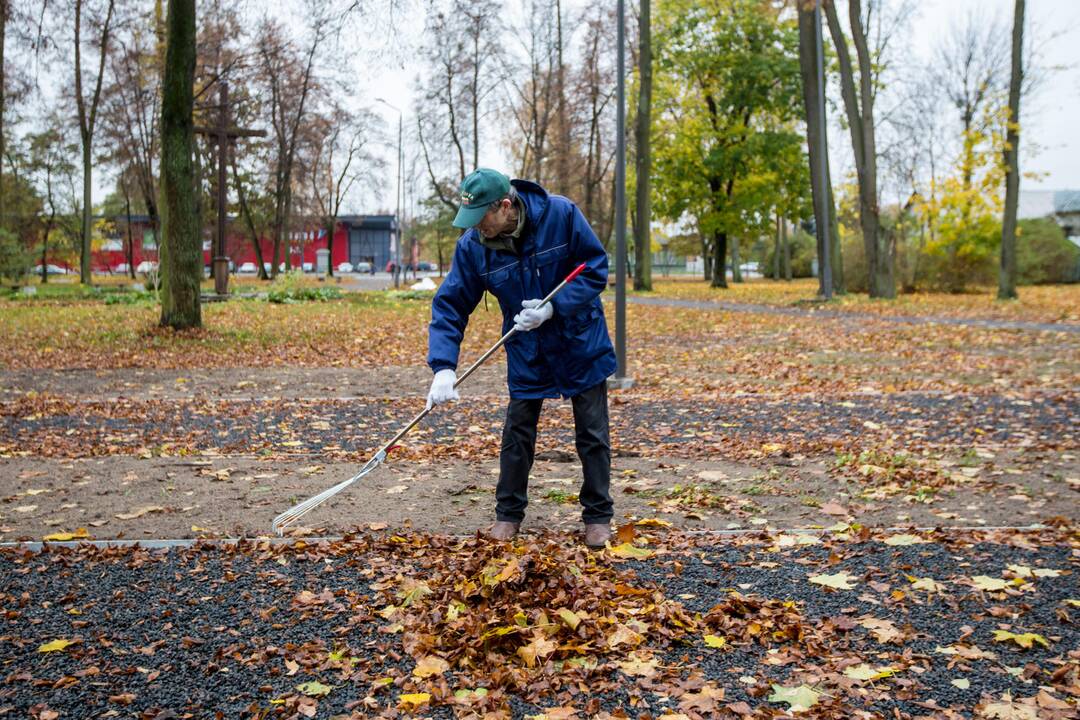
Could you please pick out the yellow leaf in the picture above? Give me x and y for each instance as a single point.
(630, 552)
(65, 536)
(1024, 640)
(962, 683)
(55, 646)
(653, 522)
(798, 698)
(196, 528)
(715, 641)
(1046, 572)
(413, 700)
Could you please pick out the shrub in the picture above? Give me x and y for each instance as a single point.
(15, 260)
(1044, 254)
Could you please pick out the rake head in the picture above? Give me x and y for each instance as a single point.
(293, 514)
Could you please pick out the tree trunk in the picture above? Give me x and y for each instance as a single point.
(860, 113)
(181, 248)
(643, 158)
(719, 272)
(814, 137)
(1007, 276)
(736, 271)
(776, 250)
(3, 95)
(130, 250)
(787, 250)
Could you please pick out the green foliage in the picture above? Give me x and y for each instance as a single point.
(1044, 254)
(290, 288)
(803, 252)
(727, 151)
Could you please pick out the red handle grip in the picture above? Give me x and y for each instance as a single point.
(577, 271)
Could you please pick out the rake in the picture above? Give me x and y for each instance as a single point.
(293, 514)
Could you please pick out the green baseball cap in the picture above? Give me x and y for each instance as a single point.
(479, 189)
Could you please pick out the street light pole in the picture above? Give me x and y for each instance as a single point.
(398, 192)
(823, 200)
(620, 381)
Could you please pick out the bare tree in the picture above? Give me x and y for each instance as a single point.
(130, 113)
(859, 106)
(339, 160)
(288, 82)
(971, 68)
(102, 28)
(1007, 276)
(456, 92)
(812, 96)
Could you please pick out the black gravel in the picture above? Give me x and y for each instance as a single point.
(358, 426)
(217, 626)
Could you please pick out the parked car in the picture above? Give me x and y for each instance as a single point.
(308, 267)
(51, 270)
(146, 266)
(363, 266)
(425, 266)
(120, 269)
(247, 268)
(345, 267)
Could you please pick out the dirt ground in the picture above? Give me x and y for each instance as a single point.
(129, 497)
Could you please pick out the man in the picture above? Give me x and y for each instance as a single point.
(519, 243)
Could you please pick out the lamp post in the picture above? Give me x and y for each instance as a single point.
(397, 193)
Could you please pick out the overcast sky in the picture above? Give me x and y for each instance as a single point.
(1050, 145)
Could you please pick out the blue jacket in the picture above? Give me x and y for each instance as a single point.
(569, 353)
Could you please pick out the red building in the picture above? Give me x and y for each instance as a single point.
(358, 238)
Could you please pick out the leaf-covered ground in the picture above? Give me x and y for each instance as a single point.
(764, 414)
(841, 624)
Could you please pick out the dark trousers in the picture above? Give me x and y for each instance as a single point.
(593, 447)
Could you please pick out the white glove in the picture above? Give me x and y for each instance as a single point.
(532, 316)
(442, 388)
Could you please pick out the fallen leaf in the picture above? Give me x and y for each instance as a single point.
(900, 540)
(314, 688)
(539, 648)
(985, 582)
(140, 511)
(55, 646)
(715, 641)
(884, 631)
(430, 665)
(838, 581)
(413, 700)
(798, 698)
(962, 683)
(863, 671)
(65, 536)
(1009, 710)
(1024, 640)
(630, 552)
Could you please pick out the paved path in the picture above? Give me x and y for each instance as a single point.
(845, 314)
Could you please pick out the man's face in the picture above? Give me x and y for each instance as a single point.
(496, 220)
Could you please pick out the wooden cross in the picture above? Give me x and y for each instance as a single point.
(224, 134)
